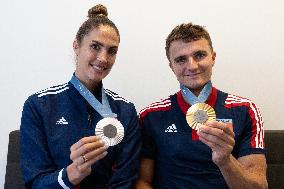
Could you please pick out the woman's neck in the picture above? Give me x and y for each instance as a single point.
(89, 84)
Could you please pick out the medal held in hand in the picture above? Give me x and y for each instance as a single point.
(110, 130)
(199, 113)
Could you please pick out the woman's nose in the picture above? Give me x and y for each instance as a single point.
(102, 56)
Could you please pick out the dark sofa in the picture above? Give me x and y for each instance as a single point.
(274, 141)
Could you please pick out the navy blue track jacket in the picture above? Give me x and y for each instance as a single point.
(56, 118)
(182, 161)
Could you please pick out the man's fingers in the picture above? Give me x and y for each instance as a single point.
(210, 144)
(215, 142)
(226, 127)
(216, 135)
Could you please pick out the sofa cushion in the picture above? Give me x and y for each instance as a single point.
(274, 142)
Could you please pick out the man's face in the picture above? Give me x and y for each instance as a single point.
(192, 63)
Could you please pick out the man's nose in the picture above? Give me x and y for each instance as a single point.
(191, 64)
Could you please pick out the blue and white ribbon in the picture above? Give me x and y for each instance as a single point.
(102, 108)
(201, 98)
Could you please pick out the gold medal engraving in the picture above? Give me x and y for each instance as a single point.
(199, 113)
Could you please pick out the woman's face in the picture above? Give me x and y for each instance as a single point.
(96, 55)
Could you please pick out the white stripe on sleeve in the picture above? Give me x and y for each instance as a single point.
(60, 181)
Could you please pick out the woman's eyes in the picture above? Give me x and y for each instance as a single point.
(112, 51)
(95, 46)
(98, 47)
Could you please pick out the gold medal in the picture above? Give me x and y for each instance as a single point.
(199, 113)
(110, 130)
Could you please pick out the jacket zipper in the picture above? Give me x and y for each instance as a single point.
(89, 119)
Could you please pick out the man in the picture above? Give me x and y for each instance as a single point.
(200, 137)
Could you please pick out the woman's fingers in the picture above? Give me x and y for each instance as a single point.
(94, 157)
(83, 141)
(84, 146)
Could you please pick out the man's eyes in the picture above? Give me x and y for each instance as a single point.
(180, 60)
(199, 55)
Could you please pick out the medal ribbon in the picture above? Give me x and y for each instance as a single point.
(102, 108)
(201, 98)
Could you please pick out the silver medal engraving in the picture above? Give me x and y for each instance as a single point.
(110, 131)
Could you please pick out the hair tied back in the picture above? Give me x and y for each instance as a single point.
(98, 11)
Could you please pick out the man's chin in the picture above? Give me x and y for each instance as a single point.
(195, 87)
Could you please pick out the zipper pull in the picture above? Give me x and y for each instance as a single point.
(89, 119)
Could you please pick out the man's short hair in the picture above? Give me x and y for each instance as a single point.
(187, 33)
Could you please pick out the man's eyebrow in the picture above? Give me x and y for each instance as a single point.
(179, 57)
(200, 51)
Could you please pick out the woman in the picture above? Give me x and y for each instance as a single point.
(80, 135)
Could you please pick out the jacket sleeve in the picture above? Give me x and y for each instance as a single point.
(125, 170)
(38, 168)
(148, 150)
(252, 138)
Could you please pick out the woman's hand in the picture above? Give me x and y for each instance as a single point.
(84, 154)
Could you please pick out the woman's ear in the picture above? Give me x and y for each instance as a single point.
(76, 47)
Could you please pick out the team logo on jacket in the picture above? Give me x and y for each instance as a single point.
(62, 121)
(171, 129)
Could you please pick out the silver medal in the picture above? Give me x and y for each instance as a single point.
(110, 130)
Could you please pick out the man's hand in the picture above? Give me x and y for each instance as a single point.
(220, 138)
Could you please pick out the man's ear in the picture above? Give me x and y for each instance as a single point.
(171, 65)
(76, 47)
(213, 57)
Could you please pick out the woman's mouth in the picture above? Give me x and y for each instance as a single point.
(98, 68)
